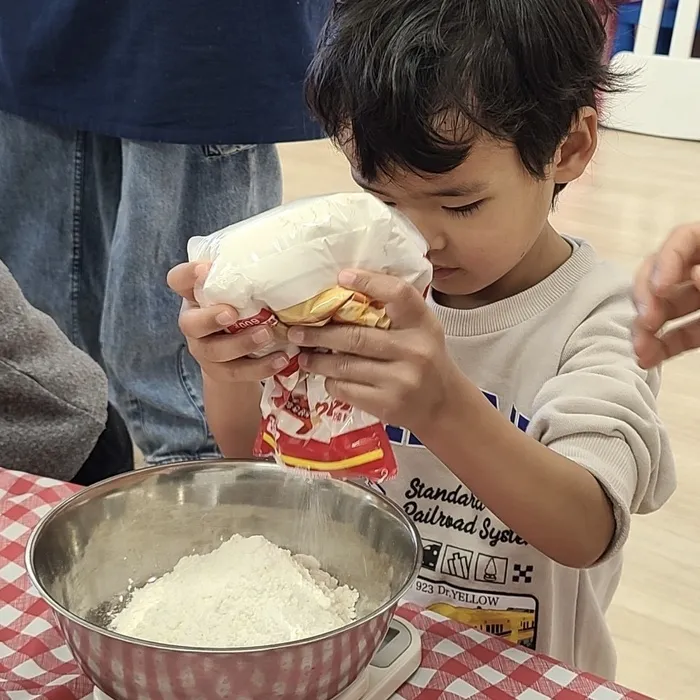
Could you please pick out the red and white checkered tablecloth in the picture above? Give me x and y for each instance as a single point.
(458, 662)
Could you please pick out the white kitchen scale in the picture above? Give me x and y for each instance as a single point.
(396, 660)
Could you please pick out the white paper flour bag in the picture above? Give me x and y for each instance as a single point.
(283, 266)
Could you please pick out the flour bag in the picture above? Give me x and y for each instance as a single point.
(282, 266)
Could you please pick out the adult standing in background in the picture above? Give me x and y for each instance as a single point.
(667, 289)
(125, 128)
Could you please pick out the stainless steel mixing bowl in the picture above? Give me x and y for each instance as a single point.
(90, 550)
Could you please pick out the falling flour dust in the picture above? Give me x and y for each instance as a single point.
(248, 592)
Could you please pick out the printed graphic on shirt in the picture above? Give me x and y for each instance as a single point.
(459, 564)
(523, 574)
(509, 615)
(490, 569)
(450, 507)
(475, 569)
(465, 563)
(457, 511)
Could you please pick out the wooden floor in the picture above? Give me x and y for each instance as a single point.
(636, 190)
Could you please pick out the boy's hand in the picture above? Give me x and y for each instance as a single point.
(222, 356)
(403, 375)
(667, 288)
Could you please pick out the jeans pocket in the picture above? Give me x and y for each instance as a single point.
(219, 150)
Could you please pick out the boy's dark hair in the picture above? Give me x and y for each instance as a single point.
(408, 80)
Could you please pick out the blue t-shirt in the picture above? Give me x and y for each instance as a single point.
(183, 71)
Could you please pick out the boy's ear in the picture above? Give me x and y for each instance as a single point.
(577, 149)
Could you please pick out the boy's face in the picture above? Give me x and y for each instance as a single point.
(481, 220)
(486, 221)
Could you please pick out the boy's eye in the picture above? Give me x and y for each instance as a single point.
(466, 210)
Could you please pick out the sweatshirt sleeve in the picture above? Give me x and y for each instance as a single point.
(600, 412)
(53, 397)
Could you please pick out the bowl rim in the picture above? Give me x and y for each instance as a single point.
(176, 466)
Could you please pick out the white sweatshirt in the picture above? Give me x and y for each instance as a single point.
(556, 359)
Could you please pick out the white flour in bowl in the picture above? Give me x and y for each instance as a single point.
(248, 592)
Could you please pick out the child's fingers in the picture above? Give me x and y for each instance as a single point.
(199, 323)
(351, 339)
(183, 278)
(249, 369)
(225, 347)
(358, 370)
(405, 306)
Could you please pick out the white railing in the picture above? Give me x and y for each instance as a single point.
(664, 96)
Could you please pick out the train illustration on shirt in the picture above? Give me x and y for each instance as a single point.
(517, 626)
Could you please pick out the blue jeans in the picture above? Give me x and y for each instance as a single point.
(90, 226)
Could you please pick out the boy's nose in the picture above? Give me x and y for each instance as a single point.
(426, 225)
(436, 240)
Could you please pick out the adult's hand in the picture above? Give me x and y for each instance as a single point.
(667, 288)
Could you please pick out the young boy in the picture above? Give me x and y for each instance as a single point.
(526, 432)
